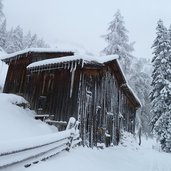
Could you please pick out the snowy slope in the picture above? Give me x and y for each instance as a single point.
(18, 123)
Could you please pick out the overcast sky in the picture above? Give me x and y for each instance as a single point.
(82, 22)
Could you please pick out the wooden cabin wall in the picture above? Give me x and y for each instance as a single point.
(128, 112)
(15, 79)
(55, 87)
(16, 76)
(112, 106)
(98, 106)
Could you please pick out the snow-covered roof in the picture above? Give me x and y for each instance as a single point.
(130, 91)
(85, 59)
(128, 86)
(135, 96)
(36, 50)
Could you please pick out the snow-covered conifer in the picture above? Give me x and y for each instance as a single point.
(9, 46)
(32, 41)
(118, 41)
(163, 129)
(159, 74)
(140, 80)
(3, 33)
(41, 43)
(18, 38)
(14, 40)
(1, 11)
(27, 40)
(161, 85)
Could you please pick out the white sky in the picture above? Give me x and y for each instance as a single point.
(82, 22)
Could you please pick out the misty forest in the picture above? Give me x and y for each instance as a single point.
(73, 110)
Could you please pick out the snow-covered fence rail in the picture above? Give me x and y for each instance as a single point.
(33, 150)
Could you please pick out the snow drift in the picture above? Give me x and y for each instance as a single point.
(18, 123)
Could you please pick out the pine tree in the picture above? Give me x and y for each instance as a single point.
(9, 46)
(41, 43)
(3, 33)
(32, 41)
(168, 135)
(161, 85)
(1, 10)
(14, 40)
(140, 82)
(18, 38)
(159, 74)
(118, 41)
(27, 40)
(163, 129)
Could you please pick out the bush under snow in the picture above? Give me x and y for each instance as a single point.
(128, 140)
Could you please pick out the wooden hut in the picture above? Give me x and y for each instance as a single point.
(16, 76)
(93, 90)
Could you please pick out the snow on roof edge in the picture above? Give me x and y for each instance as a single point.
(85, 59)
(38, 50)
(101, 60)
(107, 58)
(127, 84)
(136, 97)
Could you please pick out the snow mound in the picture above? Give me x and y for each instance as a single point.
(19, 123)
(128, 140)
(12, 98)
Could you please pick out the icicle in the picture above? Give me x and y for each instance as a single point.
(65, 65)
(72, 70)
(79, 99)
(68, 65)
(75, 65)
(82, 65)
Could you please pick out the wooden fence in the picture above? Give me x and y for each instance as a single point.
(30, 151)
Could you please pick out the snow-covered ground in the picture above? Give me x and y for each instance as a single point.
(19, 123)
(119, 158)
